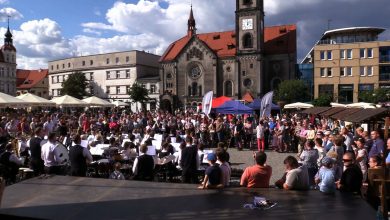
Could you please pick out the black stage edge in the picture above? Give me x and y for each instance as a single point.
(64, 197)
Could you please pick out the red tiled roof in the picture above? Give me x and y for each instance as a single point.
(247, 97)
(27, 79)
(278, 40)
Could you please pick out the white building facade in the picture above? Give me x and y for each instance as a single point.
(110, 75)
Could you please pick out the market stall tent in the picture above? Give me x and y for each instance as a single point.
(234, 108)
(97, 102)
(68, 101)
(35, 100)
(7, 101)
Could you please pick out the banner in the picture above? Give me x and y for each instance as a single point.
(266, 104)
(207, 103)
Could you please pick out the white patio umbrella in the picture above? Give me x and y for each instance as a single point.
(119, 104)
(298, 105)
(97, 102)
(10, 101)
(68, 101)
(334, 104)
(35, 100)
(361, 105)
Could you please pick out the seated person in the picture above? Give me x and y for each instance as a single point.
(143, 167)
(352, 177)
(117, 174)
(257, 176)
(213, 177)
(325, 177)
(297, 177)
(224, 165)
(10, 163)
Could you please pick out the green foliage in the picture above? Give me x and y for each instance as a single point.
(375, 96)
(322, 101)
(75, 85)
(138, 93)
(292, 91)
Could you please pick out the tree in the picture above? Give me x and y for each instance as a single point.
(138, 94)
(322, 101)
(75, 85)
(375, 96)
(292, 91)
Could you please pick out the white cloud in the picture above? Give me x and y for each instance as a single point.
(9, 12)
(4, 2)
(90, 31)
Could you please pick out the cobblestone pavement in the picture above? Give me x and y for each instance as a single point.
(243, 159)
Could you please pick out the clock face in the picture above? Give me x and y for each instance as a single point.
(247, 24)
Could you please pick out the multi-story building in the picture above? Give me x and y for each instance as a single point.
(349, 61)
(8, 65)
(110, 75)
(33, 81)
(250, 59)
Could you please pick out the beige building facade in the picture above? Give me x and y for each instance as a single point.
(349, 61)
(110, 75)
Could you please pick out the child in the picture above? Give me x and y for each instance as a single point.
(325, 176)
(117, 174)
(213, 177)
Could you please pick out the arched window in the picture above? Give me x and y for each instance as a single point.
(247, 2)
(228, 88)
(194, 89)
(247, 41)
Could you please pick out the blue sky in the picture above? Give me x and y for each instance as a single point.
(45, 30)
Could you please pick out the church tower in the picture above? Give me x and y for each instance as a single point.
(8, 65)
(191, 24)
(250, 46)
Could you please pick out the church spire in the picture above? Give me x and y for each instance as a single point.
(191, 24)
(8, 36)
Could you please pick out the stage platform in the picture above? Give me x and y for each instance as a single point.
(64, 197)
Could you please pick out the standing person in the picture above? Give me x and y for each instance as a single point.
(321, 151)
(219, 129)
(36, 162)
(362, 157)
(51, 160)
(352, 177)
(309, 158)
(11, 162)
(213, 174)
(259, 175)
(348, 137)
(260, 136)
(79, 158)
(189, 162)
(297, 177)
(248, 131)
(378, 145)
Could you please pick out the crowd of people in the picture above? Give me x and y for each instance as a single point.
(330, 154)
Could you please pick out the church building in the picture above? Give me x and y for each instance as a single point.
(250, 60)
(8, 65)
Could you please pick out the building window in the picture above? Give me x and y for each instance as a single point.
(117, 60)
(91, 62)
(322, 72)
(52, 80)
(108, 75)
(127, 59)
(345, 93)
(244, 73)
(169, 85)
(228, 88)
(370, 71)
(91, 76)
(248, 83)
(329, 54)
(108, 90)
(118, 74)
(349, 54)
(58, 66)
(52, 67)
(108, 61)
(169, 76)
(247, 41)
(322, 55)
(118, 90)
(349, 71)
(83, 62)
(326, 90)
(370, 53)
(247, 2)
(153, 89)
(362, 71)
(68, 65)
(91, 90)
(342, 54)
(330, 72)
(362, 53)
(251, 65)
(127, 89)
(342, 71)
(63, 66)
(127, 74)
(58, 79)
(52, 92)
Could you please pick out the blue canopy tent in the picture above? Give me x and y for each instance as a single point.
(234, 108)
(256, 104)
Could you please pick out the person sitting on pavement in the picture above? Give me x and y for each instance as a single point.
(297, 177)
(224, 165)
(213, 174)
(259, 175)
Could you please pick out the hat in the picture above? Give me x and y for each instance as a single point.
(327, 160)
(211, 157)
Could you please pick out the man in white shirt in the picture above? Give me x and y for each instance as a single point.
(50, 158)
(48, 126)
